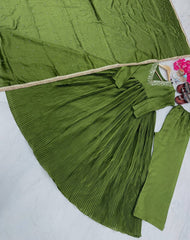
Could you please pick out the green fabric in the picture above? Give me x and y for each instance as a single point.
(88, 140)
(169, 148)
(71, 35)
(83, 131)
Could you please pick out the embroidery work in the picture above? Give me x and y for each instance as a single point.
(153, 81)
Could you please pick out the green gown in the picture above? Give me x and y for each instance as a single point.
(93, 134)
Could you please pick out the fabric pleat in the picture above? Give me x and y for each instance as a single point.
(93, 134)
(91, 144)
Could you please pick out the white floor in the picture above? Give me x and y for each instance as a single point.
(32, 208)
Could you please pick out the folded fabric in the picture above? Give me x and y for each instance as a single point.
(169, 148)
(84, 131)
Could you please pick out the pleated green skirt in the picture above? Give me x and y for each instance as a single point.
(89, 141)
(93, 134)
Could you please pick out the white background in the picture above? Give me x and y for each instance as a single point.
(32, 208)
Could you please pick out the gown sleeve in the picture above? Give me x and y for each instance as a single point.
(152, 104)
